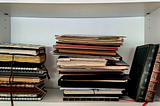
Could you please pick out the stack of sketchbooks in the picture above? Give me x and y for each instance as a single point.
(22, 72)
(90, 68)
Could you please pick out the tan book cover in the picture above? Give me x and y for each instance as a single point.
(23, 58)
(21, 79)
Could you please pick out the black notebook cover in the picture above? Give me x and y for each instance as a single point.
(99, 81)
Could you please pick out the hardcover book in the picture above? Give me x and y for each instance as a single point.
(154, 80)
(141, 69)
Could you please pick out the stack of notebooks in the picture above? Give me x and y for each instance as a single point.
(22, 72)
(90, 67)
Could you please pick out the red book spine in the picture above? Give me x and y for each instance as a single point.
(91, 47)
(154, 80)
(18, 90)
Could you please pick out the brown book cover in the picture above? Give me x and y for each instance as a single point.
(93, 52)
(21, 89)
(154, 80)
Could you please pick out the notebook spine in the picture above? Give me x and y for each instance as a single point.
(154, 81)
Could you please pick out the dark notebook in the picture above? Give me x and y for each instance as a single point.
(99, 81)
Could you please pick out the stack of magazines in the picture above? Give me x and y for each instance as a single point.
(90, 67)
(22, 72)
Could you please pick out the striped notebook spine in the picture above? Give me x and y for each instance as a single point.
(154, 80)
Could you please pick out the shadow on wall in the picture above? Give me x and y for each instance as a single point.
(52, 68)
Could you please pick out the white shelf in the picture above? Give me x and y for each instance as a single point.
(54, 98)
(76, 1)
(32, 19)
(102, 9)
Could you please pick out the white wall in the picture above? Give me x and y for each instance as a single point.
(4, 28)
(42, 31)
(152, 31)
(152, 25)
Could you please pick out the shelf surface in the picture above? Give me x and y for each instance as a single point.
(54, 97)
(78, 9)
(75, 1)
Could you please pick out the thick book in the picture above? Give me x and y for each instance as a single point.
(120, 65)
(141, 69)
(90, 39)
(117, 57)
(99, 81)
(15, 48)
(82, 51)
(69, 61)
(154, 80)
(23, 58)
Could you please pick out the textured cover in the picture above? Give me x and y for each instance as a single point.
(141, 70)
(21, 46)
(154, 80)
